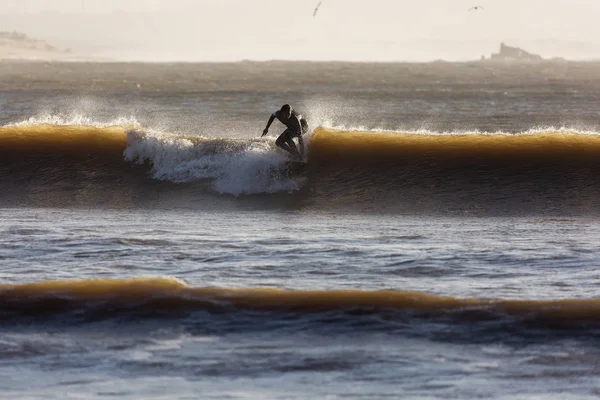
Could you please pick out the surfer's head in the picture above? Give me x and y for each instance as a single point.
(286, 110)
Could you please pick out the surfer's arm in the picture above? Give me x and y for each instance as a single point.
(271, 118)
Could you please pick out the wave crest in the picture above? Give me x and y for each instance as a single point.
(160, 297)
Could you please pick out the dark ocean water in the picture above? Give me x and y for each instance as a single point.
(441, 241)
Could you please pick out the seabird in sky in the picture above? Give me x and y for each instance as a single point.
(317, 9)
(475, 8)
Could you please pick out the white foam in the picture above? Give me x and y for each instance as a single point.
(235, 167)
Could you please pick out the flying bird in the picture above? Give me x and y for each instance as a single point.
(317, 9)
(475, 8)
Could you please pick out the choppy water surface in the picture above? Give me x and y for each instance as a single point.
(441, 242)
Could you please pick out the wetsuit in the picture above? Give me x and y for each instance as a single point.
(296, 126)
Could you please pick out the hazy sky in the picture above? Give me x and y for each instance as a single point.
(276, 29)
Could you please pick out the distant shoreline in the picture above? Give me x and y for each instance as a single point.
(20, 47)
(16, 54)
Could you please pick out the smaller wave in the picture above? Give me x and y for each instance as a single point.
(159, 297)
(234, 166)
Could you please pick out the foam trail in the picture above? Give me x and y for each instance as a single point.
(234, 166)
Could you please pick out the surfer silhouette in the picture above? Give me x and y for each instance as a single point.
(296, 127)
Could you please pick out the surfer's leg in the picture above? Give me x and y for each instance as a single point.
(294, 149)
(280, 142)
(301, 145)
(286, 142)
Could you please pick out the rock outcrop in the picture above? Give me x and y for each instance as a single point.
(514, 54)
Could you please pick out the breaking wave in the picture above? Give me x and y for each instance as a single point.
(542, 171)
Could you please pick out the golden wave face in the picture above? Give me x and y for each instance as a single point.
(328, 145)
(106, 298)
(476, 174)
(60, 139)
(67, 165)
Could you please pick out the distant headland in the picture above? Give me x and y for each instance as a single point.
(509, 53)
